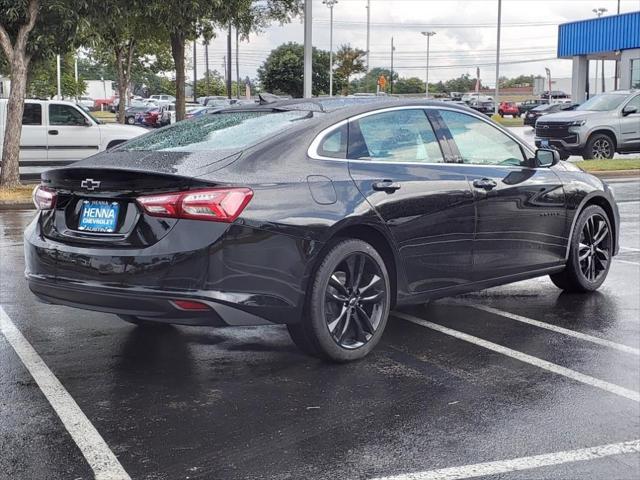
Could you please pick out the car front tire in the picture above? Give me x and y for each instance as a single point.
(590, 253)
(599, 147)
(348, 304)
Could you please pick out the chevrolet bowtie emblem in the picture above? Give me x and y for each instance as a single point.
(90, 184)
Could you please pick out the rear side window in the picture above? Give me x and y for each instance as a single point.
(32, 114)
(395, 136)
(211, 132)
(334, 145)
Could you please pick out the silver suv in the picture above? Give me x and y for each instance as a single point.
(601, 126)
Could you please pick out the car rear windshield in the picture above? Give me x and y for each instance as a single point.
(233, 130)
(603, 102)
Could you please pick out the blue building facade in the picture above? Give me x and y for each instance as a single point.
(615, 37)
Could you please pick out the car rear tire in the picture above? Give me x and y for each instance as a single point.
(131, 120)
(347, 306)
(590, 253)
(599, 147)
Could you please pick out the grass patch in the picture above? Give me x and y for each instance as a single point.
(509, 122)
(105, 116)
(16, 195)
(610, 165)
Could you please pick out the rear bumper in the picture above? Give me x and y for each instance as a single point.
(245, 275)
(147, 304)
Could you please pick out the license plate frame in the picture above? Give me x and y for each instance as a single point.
(98, 216)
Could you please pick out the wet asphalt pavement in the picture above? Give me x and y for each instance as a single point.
(244, 403)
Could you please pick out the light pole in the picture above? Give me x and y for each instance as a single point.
(330, 4)
(368, 30)
(548, 72)
(599, 12)
(308, 70)
(497, 95)
(428, 35)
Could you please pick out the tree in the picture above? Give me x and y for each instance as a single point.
(30, 30)
(42, 82)
(368, 82)
(409, 85)
(282, 71)
(464, 83)
(350, 61)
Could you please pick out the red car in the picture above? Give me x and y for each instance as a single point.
(150, 118)
(508, 108)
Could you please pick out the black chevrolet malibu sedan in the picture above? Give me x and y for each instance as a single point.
(314, 214)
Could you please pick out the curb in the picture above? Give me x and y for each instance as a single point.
(616, 173)
(16, 206)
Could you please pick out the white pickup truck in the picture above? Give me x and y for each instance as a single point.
(56, 133)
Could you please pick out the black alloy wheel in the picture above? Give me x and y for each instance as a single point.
(348, 303)
(590, 253)
(594, 249)
(354, 300)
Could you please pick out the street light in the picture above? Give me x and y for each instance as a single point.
(428, 35)
(330, 4)
(599, 12)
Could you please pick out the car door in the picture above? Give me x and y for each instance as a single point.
(398, 164)
(71, 135)
(33, 141)
(521, 217)
(630, 127)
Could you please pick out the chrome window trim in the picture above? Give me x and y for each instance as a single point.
(312, 151)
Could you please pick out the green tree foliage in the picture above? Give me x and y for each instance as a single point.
(43, 83)
(31, 30)
(368, 82)
(464, 83)
(349, 61)
(282, 71)
(410, 85)
(519, 81)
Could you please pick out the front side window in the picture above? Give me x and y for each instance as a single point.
(479, 142)
(396, 136)
(32, 114)
(635, 102)
(65, 115)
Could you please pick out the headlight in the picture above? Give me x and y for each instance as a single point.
(577, 123)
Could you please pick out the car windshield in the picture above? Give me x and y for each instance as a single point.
(217, 132)
(542, 108)
(603, 102)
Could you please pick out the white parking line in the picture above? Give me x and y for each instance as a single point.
(564, 331)
(631, 249)
(523, 357)
(100, 458)
(627, 261)
(523, 463)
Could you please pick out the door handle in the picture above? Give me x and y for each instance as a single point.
(485, 183)
(388, 186)
(53, 132)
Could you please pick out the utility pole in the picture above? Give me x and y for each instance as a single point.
(308, 50)
(496, 100)
(599, 12)
(206, 66)
(428, 35)
(195, 72)
(237, 63)
(391, 79)
(330, 4)
(368, 30)
(615, 72)
(58, 77)
(75, 71)
(228, 69)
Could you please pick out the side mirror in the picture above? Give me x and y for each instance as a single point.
(628, 110)
(546, 157)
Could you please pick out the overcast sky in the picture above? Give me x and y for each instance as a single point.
(465, 35)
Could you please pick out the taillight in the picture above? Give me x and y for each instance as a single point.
(216, 204)
(44, 198)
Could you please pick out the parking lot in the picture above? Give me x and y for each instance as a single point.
(522, 376)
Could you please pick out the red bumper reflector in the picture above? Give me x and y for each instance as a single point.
(191, 305)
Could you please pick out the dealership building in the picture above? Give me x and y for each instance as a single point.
(615, 37)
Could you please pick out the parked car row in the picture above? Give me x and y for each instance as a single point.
(545, 109)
